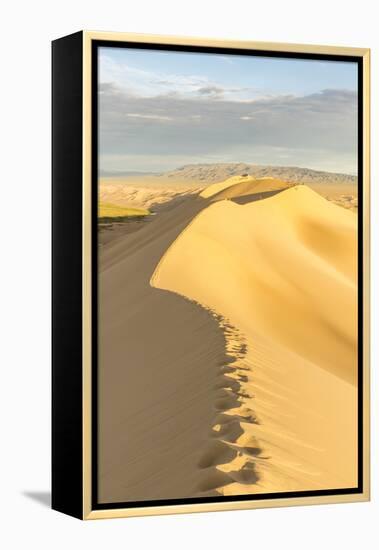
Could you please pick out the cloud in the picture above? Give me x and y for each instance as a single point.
(148, 83)
(210, 125)
(211, 90)
(224, 92)
(148, 116)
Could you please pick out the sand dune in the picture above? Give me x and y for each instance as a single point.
(215, 188)
(245, 186)
(160, 192)
(283, 272)
(227, 347)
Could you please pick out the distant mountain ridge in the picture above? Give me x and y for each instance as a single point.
(213, 173)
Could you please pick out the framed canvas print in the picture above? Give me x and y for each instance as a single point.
(210, 275)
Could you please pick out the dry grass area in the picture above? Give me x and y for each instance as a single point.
(108, 211)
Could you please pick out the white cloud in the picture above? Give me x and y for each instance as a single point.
(148, 117)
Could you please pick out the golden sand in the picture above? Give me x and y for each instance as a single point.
(283, 271)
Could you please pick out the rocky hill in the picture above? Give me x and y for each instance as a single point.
(213, 173)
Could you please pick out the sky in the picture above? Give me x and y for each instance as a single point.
(161, 110)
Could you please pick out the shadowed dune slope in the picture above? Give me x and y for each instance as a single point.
(160, 359)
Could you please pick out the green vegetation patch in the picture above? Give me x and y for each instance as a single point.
(111, 212)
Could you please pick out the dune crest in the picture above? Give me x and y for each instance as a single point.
(238, 186)
(281, 270)
(216, 188)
